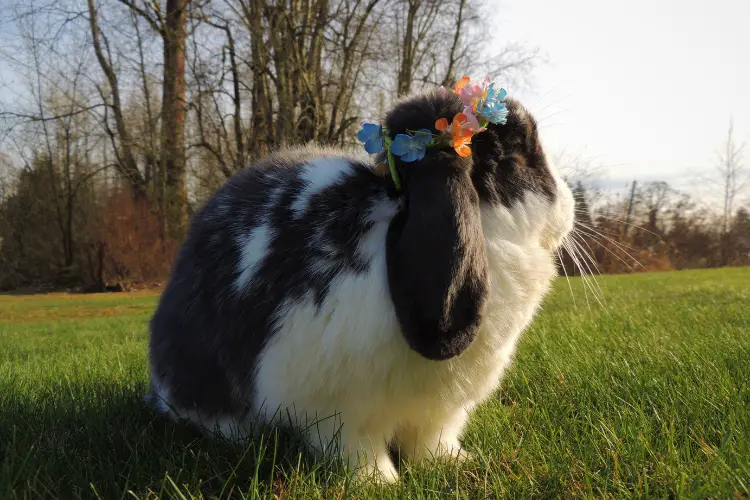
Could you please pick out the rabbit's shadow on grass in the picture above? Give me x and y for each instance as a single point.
(82, 439)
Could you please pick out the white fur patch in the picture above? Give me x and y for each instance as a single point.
(273, 198)
(160, 395)
(254, 245)
(373, 242)
(383, 210)
(318, 175)
(253, 249)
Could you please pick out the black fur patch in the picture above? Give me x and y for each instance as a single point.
(437, 264)
(509, 160)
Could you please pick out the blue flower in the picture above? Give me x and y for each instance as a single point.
(494, 94)
(372, 135)
(492, 107)
(411, 148)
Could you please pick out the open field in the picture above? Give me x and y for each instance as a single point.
(648, 396)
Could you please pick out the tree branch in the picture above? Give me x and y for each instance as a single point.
(39, 118)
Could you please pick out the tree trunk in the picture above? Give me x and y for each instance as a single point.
(629, 213)
(308, 128)
(151, 157)
(346, 82)
(262, 135)
(406, 71)
(172, 175)
(280, 43)
(449, 78)
(127, 164)
(239, 139)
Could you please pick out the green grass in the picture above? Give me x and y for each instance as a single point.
(648, 396)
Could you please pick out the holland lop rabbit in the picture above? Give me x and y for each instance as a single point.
(311, 289)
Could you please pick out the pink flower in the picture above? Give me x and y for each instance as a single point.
(470, 92)
(471, 121)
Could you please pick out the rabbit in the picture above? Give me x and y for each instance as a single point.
(311, 291)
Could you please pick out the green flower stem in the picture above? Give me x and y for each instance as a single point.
(392, 163)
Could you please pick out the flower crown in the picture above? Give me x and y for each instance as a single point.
(483, 104)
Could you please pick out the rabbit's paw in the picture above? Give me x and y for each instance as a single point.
(423, 442)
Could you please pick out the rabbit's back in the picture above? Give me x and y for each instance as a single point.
(279, 234)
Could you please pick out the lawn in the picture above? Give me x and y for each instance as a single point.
(647, 395)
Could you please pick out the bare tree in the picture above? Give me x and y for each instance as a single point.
(733, 177)
(171, 25)
(453, 57)
(629, 210)
(122, 143)
(734, 180)
(654, 197)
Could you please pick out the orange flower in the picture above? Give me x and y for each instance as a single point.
(442, 124)
(461, 145)
(463, 82)
(460, 132)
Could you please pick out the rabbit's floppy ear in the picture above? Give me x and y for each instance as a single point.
(437, 264)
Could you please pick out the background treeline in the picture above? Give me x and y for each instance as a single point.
(120, 117)
(653, 227)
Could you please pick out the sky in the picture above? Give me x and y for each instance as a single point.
(643, 88)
